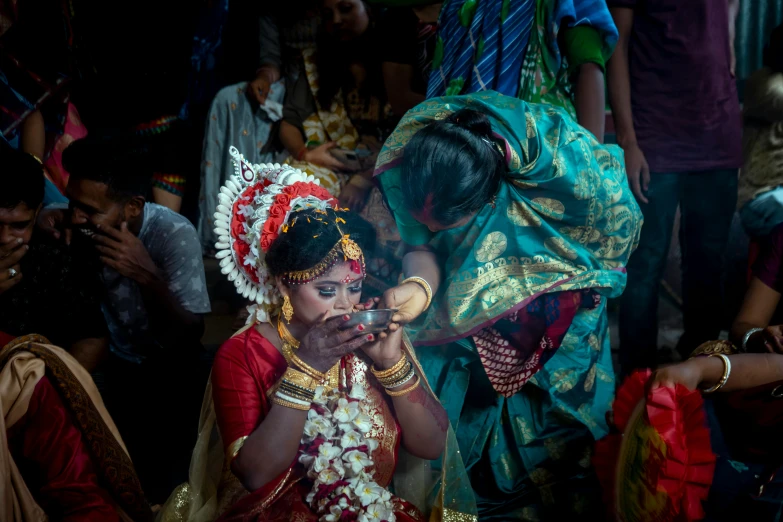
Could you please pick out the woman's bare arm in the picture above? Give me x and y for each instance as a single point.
(591, 99)
(757, 309)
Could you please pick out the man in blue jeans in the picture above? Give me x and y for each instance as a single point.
(677, 115)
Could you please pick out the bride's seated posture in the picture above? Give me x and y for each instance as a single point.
(311, 413)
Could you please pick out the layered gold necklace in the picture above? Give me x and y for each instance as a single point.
(330, 380)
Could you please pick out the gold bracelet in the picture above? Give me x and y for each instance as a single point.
(388, 382)
(726, 372)
(422, 283)
(288, 404)
(297, 393)
(299, 378)
(304, 367)
(383, 374)
(402, 380)
(396, 375)
(406, 390)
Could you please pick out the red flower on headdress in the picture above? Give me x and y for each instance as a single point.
(282, 205)
(304, 189)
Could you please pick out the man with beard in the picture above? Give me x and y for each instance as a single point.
(43, 289)
(156, 295)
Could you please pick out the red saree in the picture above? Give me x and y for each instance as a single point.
(246, 368)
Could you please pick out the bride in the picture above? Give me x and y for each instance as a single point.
(310, 414)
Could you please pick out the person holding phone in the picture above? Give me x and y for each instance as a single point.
(305, 269)
(335, 117)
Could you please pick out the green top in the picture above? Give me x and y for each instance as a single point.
(583, 44)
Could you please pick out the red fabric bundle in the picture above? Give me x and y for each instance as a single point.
(661, 455)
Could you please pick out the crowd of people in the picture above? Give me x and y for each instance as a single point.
(443, 164)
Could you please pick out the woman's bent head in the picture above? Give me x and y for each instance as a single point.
(451, 169)
(312, 269)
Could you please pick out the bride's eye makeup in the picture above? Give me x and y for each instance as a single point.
(331, 291)
(327, 291)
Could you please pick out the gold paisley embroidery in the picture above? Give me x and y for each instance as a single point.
(492, 246)
(556, 447)
(563, 380)
(586, 416)
(551, 208)
(603, 375)
(519, 213)
(559, 247)
(582, 235)
(592, 341)
(590, 379)
(541, 476)
(528, 435)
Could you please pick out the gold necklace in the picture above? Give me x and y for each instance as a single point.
(290, 345)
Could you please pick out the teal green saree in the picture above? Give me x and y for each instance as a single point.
(563, 223)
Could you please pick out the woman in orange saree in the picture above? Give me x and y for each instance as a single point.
(313, 413)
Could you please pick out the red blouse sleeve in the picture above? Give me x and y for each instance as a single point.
(245, 367)
(50, 453)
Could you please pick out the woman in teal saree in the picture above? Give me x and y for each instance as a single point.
(520, 224)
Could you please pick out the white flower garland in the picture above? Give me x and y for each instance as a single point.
(336, 452)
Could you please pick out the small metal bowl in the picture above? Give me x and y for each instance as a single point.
(373, 320)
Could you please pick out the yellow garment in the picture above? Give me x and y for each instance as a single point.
(763, 135)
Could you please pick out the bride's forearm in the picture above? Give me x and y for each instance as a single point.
(271, 448)
(423, 263)
(423, 421)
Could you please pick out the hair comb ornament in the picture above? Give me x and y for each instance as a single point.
(254, 206)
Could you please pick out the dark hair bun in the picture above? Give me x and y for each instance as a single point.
(451, 168)
(312, 236)
(472, 121)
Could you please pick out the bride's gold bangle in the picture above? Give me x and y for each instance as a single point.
(422, 283)
(406, 390)
(382, 374)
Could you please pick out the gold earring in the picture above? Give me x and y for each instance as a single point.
(288, 309)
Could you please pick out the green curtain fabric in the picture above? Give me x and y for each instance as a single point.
(755, 22)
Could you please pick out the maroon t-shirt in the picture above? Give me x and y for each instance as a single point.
(768, 267)
(685, 107)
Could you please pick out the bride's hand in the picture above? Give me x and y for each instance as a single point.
(385, 352)
(325, 344)
(409, 299)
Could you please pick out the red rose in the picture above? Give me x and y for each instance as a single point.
(243, 249)
(283, 200)
(266, 242)
(237, 227)
(277, 212)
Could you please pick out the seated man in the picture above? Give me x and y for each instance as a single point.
(43, 289)
(156, 294)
